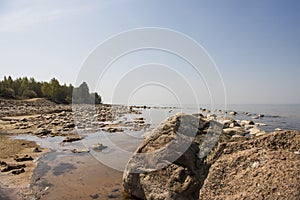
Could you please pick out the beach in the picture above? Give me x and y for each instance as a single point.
(69, 163)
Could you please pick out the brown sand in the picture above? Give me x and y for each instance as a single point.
(79, 177)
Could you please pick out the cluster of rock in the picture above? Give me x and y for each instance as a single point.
(20, 163)
(195, 157)
(44, 118)
(234, 113)
(236, 127)
(18, 108)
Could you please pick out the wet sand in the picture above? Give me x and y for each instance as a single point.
(13, 185)
(76, 177)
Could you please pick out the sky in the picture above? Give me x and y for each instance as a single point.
(254, 44)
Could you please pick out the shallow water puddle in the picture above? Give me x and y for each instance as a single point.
(62, 174)
(63, 168)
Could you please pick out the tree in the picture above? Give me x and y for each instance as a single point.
(30, 88)
(46, 90)
(24, 86)
(29, 94)
(55, 91)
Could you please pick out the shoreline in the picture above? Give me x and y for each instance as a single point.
(45, 119)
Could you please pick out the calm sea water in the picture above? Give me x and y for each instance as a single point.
(286, 117)
(276, 116)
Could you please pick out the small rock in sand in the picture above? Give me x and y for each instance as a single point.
(18, 171)
(80, 150)
(36, 150)
(98, 147)
(23, 158)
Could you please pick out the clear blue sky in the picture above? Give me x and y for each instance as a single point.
(255, 44)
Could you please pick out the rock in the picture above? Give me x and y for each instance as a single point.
(55, 122)
(247, 122)
(115, 190)
(73, 138)
(256, 131)
(247, 113)
(247, 127)
(211, 116)
(36, 150)
(94, 196)
(139, 119)
(199, 115)
(278, 129)
(80, 126)
(112, 196)
(253, 168)
(237, 136)
(10, 167)
(23, 120)
(113, 130)
(84, 150)
(42, 131)
(23, 158)
(18, 171)
(233, 113)
(234, 124)
(261, 115)
(169, 163)
(98, 147)
(235, 131)
(2, 163)
(226, 123)
(260, 124)
(69, 125)
(255, 164)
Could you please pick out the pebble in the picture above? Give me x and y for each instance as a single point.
(297, 152)
(233, 113)
(94, 196)
(36, 150)
(255, 164)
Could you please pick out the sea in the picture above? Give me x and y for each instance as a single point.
(275, 116)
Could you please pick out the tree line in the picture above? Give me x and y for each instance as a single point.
(25, 88)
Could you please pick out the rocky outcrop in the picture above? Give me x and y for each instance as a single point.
(189, 157)
(265, 167)
(170, 163)
(44, 118)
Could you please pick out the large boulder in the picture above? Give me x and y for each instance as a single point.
(264, 167)
(172, 161)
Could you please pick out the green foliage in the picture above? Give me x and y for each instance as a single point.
(21, 88)
(29, 94)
